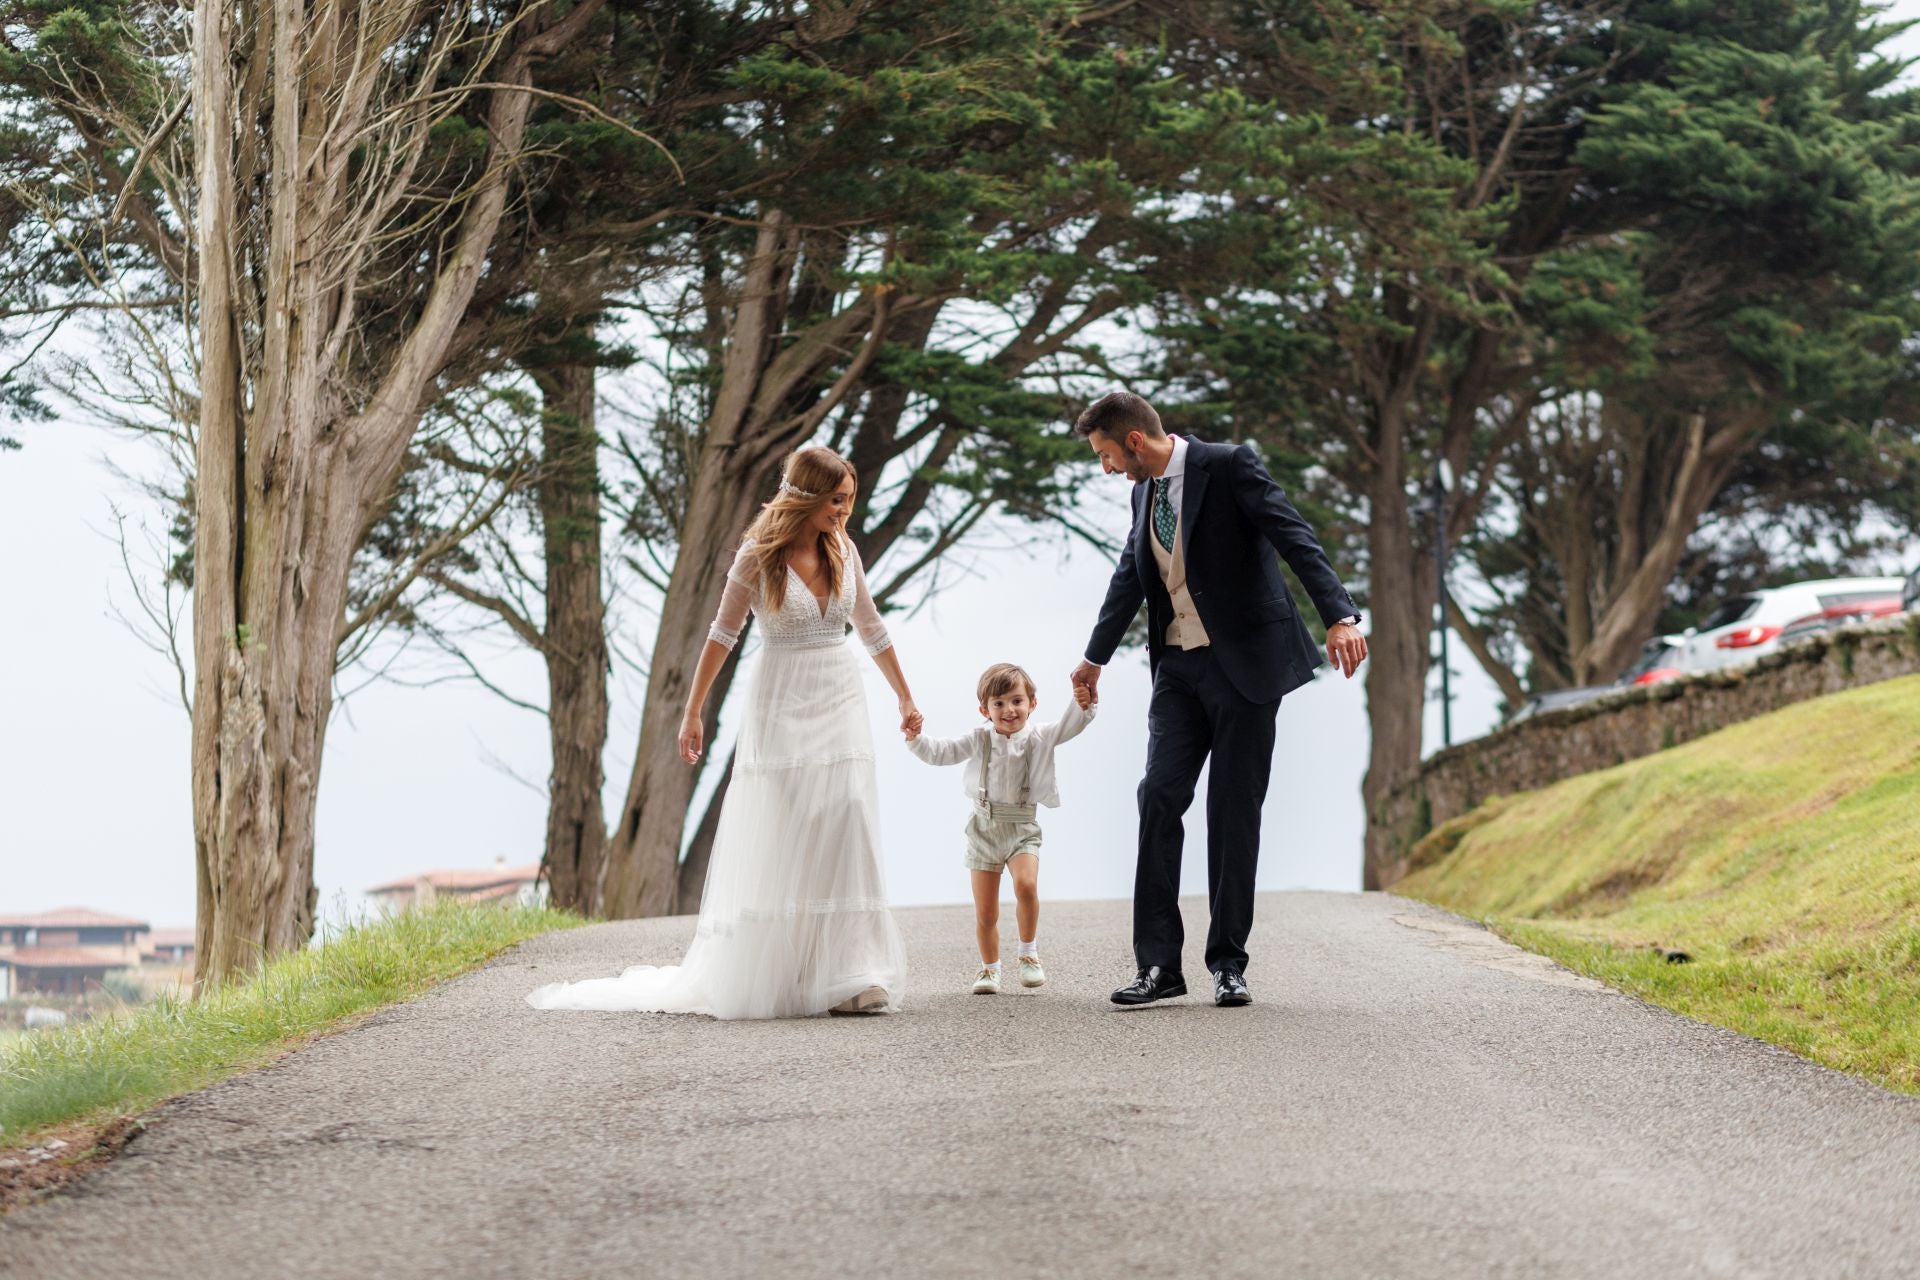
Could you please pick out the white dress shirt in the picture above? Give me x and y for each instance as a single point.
(1176, 477)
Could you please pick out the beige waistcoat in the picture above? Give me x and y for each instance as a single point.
(1185, 631)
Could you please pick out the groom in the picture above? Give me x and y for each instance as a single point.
(1225, 646)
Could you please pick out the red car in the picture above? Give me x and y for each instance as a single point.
(1658, 661)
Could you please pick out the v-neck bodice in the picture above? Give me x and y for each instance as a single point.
(802, 620)
(820, 603)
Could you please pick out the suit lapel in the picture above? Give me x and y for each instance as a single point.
(1143, 530)
(1192, 490)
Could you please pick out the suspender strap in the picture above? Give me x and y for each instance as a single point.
(1000, 811)
(986, 762)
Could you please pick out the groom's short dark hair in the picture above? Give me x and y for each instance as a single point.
(1116, 415)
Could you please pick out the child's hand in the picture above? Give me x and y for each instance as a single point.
(1082, 696)
(911, 725)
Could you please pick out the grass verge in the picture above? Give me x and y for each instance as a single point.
(94, 1074)
(1782, 855)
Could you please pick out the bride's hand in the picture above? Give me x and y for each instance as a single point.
(910, 717)
(692, 738)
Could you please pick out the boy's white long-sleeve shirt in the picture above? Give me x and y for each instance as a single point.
(1013, 761)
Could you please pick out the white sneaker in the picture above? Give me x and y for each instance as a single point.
(1031, 974)
(988, 983)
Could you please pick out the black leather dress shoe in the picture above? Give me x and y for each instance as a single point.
(1229, 988)
(1152, 983)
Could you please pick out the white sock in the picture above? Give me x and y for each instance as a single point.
(1030, 946)
(994, 965)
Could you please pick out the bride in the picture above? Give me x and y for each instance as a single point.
(794, 919)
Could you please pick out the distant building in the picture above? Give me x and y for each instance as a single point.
(166, 961)
(67, 951)
(168, 946)
(498, 883)
(54, 971)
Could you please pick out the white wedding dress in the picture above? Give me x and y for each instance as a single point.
(794, 917)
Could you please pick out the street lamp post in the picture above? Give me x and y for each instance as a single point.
(1439, 505)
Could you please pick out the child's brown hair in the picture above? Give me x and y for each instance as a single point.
(1003, 678)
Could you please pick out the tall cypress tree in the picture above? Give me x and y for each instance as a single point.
(1742, 325)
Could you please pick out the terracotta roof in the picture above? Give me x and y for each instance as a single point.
(465, 878)
(64, 958)
(162, 938)
(70, 918)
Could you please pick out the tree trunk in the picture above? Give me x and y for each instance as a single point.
(263, 611)
(288, 478)
(1400, 605)
(575, 639)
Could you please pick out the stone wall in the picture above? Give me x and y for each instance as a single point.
(1637, 722)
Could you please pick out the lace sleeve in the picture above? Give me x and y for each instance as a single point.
(734, 600)
(866, 617)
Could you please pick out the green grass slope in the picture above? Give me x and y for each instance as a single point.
(1782, 854)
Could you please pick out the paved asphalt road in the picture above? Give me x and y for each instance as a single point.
(1407, 1097)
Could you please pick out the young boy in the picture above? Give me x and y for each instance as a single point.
(1009, 773)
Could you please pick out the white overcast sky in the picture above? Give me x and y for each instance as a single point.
(94, 805)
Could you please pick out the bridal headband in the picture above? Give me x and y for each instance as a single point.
(795, 490)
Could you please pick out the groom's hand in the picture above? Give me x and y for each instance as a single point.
(1346, 647)
(1087, 676)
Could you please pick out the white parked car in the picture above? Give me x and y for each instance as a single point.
(1749, 626)
(1850, 614)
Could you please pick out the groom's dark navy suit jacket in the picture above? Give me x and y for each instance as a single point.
(1233, 519)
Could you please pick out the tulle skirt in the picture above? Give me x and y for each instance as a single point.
(794, 916)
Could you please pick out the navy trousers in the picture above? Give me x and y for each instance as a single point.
(1197, 714)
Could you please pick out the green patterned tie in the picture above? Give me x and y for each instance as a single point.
(1164, 520)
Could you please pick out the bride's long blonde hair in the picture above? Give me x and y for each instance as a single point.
(807, 482)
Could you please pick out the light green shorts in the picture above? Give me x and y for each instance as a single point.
(990, 843)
